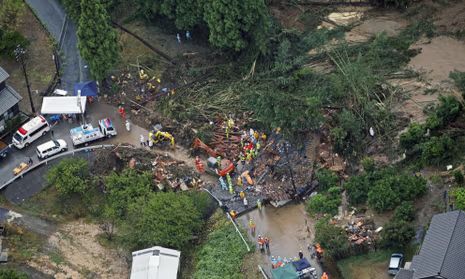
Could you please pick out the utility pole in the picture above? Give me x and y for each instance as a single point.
(21, 55)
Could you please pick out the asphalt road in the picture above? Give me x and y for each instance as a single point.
(62, 28)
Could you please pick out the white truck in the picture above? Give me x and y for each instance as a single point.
(85, 134)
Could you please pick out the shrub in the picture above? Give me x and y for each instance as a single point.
(368, 164)
(412, 136)
(9, 40)
(436, 150)
(222, 254)
(70, 176)
(397, 233)
(332, 238)
(405, 212)
(326, 179)
(357, 189)
(459, 195)
(383, 195)
(459, 79)
(458, 177)
(448, 109)
(321, 203)
(12, 274)
(166, 219)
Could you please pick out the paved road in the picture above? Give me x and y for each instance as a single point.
(61, 27)
(32, 183)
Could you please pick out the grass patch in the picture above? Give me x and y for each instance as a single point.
(365, 266)
(22, 244)
(222, 255)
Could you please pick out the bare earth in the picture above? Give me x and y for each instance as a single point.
(80, 254)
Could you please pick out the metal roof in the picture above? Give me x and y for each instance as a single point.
(155, 263)
(442, 250)
(404, 274)
(8, 98)
(3, 75)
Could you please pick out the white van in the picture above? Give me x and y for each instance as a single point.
(29, 132)
(51, 148)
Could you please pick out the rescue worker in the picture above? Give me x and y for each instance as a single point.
(242, 195)
(199, 165)
(301, 255)
(122, 112)
(142, 140)
(252, 226)
(246, 203)
(261, 243)
(267, 243)
(324, 276)
(128, 125)
(259, 204)
(233, 214)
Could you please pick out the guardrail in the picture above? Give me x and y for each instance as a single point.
(45, 162)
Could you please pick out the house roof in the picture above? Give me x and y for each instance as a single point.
(155, 263)
(8, 98)
(442, 250)
(404, 274)
(3, 75)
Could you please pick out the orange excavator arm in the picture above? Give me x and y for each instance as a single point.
(199, 144)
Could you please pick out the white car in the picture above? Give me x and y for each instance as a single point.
(51, 148)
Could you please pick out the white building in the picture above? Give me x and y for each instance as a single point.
(155, 263)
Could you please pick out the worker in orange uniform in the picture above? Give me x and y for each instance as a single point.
(324, 276)
(122, 112)
(199, 165)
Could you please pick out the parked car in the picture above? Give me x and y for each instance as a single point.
(395, 263)
(29, 132)
(4, 149)
(51, 148)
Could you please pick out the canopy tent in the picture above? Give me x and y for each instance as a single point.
(88, 88)
(285, 272)
(63, 105)
(301, 264)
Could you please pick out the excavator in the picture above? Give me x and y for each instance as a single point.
(158, 136)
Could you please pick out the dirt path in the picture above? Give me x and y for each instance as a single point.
(288, 227)
(74, 252)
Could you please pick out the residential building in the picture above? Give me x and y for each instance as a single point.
(442, 254)
(155, 263)
(9, 100)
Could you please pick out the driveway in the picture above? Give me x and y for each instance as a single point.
(32, 183)
(62, 29)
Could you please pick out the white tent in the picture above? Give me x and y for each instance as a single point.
(63, 105)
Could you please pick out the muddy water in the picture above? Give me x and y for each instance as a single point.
(440, 57)
(288, 227)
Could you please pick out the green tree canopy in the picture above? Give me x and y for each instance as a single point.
(10, 12)
(397, 233)
(326, 179)
(166, 219)
(233, 24)
(459, 196)
(98, 42)
(332, 238)
(70, 176)
(126, 188)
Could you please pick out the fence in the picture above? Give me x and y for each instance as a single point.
(46, 161)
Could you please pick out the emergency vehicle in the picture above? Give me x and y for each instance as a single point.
(87, 133)
(29, 132)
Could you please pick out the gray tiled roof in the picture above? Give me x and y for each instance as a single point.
(442, 252)
(8, 98)
(3, 75)
(404, 274)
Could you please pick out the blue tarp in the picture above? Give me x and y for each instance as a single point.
(88, 88)
(301, 264)
(285, 272)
